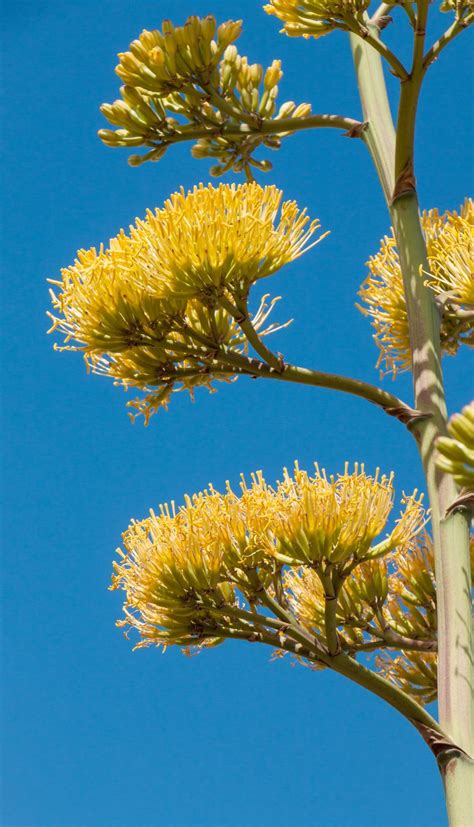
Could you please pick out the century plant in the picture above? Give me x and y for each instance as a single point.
(305, 566)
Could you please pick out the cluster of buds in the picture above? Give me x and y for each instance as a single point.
(450, 250)
(461, 8)
(165, 307)
(189, 83)
(456, 451)
(315, 18)
(214, 569)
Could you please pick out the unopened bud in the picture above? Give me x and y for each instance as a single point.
(228, 32)
(208, 27)
(273, 75)
(286, 109)
(302, 111)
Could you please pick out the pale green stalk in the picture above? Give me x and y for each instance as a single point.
(393, 157)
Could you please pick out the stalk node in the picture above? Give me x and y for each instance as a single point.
(383, 22)
(443, 749)
(356, 130)
(465, 502)
(409, 416)
(406, 181)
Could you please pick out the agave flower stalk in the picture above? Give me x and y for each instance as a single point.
(393, 153)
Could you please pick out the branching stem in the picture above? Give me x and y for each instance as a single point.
(457, 27)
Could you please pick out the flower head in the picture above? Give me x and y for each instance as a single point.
(450, 249)
(181, 568)
(314, 18)
(336, 520)
(459, 7)
(152, 310)
(165, 61)
(174, 580)
(410, 612)
(218, 238)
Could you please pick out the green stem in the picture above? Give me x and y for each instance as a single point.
(412, 710)
(410, 13)
(436, 49)
(283, 126)
(344, 665)
(242, 317)
(330, 624)
(303, 376)
(395, 640)
(383, 10)
(407, 110)
(370, 35)
(252, 618)
(450, 533)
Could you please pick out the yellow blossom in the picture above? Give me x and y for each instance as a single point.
(314, 18)
(450, 248)
(173, 578)
(336, 520)
(149, 310)
(410, 611)
(180, 568)
(217, 238)
(411, 606)
(460, 7)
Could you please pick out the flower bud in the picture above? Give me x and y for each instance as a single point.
(273, 75)
(228, 32)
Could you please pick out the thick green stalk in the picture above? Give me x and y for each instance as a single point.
(379, 134)
(450, 532)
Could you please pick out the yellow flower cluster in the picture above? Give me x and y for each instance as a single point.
(450, 247)
(180, 568)
(456, 451)
(334, 521)
(149, 312)
(315, 18)
(190, 83)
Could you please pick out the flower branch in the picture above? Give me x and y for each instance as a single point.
(456, 28)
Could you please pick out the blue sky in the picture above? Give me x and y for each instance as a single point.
(94, 734)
